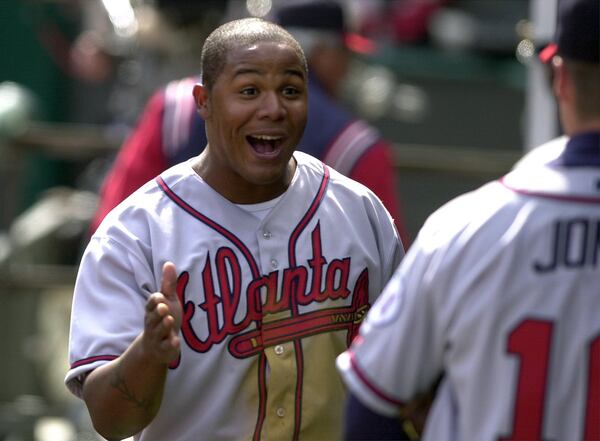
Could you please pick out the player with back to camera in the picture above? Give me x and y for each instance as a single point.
(169, 130)
(211, 303)
(498, 298)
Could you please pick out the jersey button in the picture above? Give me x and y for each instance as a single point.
(267, 234)
(280, 412)
(278, 349)
(274, 263)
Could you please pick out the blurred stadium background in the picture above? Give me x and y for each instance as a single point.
(453, 83)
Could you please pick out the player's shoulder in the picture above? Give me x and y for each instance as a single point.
(352, 198)
(178, 102)
(135, 211)
(180, 88)
(175, 92)
(178, 99)
(554, 183)
(465, 215)
(543, 154)
(536, 183)
(509, 203)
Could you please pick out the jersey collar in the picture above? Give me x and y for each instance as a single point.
(582, 150)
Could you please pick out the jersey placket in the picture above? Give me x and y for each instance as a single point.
(281, 368)
(280, 354)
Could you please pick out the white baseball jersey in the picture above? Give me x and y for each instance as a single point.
(268, 304)
(543, 154)
(500, 296)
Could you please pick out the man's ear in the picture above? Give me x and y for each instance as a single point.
(201, 98)
(561, 84)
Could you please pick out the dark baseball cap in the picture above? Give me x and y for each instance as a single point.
(325, 15)
(577, 33)
(321, 15)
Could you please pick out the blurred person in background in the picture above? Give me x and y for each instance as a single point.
(170, 130)
(127, 49)
(399, 21)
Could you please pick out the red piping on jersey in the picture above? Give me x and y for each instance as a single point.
(90, 360)
(294, 306)
(367, 382)
(262, 388)
(304, 222)
(558, 197)
(262, 393)
(212, 224)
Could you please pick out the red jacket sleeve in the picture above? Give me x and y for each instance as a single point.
(140, 159)
(375, 169)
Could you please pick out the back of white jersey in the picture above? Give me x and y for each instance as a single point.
(506, 311)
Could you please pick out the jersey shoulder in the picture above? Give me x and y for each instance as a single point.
(183, 133)
(148, 201)
(460, 219)
(351, 198)
(555, 182)
(524, 201)
(342, 186)
(543, 154)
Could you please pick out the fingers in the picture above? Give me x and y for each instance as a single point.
(160, 333)
(163, 317)
(169, 280)
(169, 290)
(158, 312)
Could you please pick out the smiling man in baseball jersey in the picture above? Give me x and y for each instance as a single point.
(169, 131)
(499, 296)
(211, 303)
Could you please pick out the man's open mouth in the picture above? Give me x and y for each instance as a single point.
(265, 144)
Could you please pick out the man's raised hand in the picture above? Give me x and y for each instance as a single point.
(163, 318)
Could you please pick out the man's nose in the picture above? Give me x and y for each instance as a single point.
(272, 106)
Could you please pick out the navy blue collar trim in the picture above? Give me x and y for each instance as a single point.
(582, 150)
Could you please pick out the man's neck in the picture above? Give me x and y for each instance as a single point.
(585, 127)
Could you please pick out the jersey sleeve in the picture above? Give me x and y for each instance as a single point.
(398, 352)
(375, 169)
(140, 159)
(110, 294)
(392, 245)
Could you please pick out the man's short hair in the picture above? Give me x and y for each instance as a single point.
(241, 33)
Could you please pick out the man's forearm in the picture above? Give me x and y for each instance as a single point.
(124, 395)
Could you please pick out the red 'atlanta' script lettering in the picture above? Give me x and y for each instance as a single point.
(301, 285)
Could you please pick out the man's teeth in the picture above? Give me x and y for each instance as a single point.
(266, 137)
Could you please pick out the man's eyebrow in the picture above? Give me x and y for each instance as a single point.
(245, 70)
(296, 72)
(249, 70)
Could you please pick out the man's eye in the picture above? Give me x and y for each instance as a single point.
(249, 91)
(291, 91)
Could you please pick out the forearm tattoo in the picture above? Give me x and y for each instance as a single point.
(119, 383)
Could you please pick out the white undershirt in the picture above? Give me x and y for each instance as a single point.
(262, 209)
